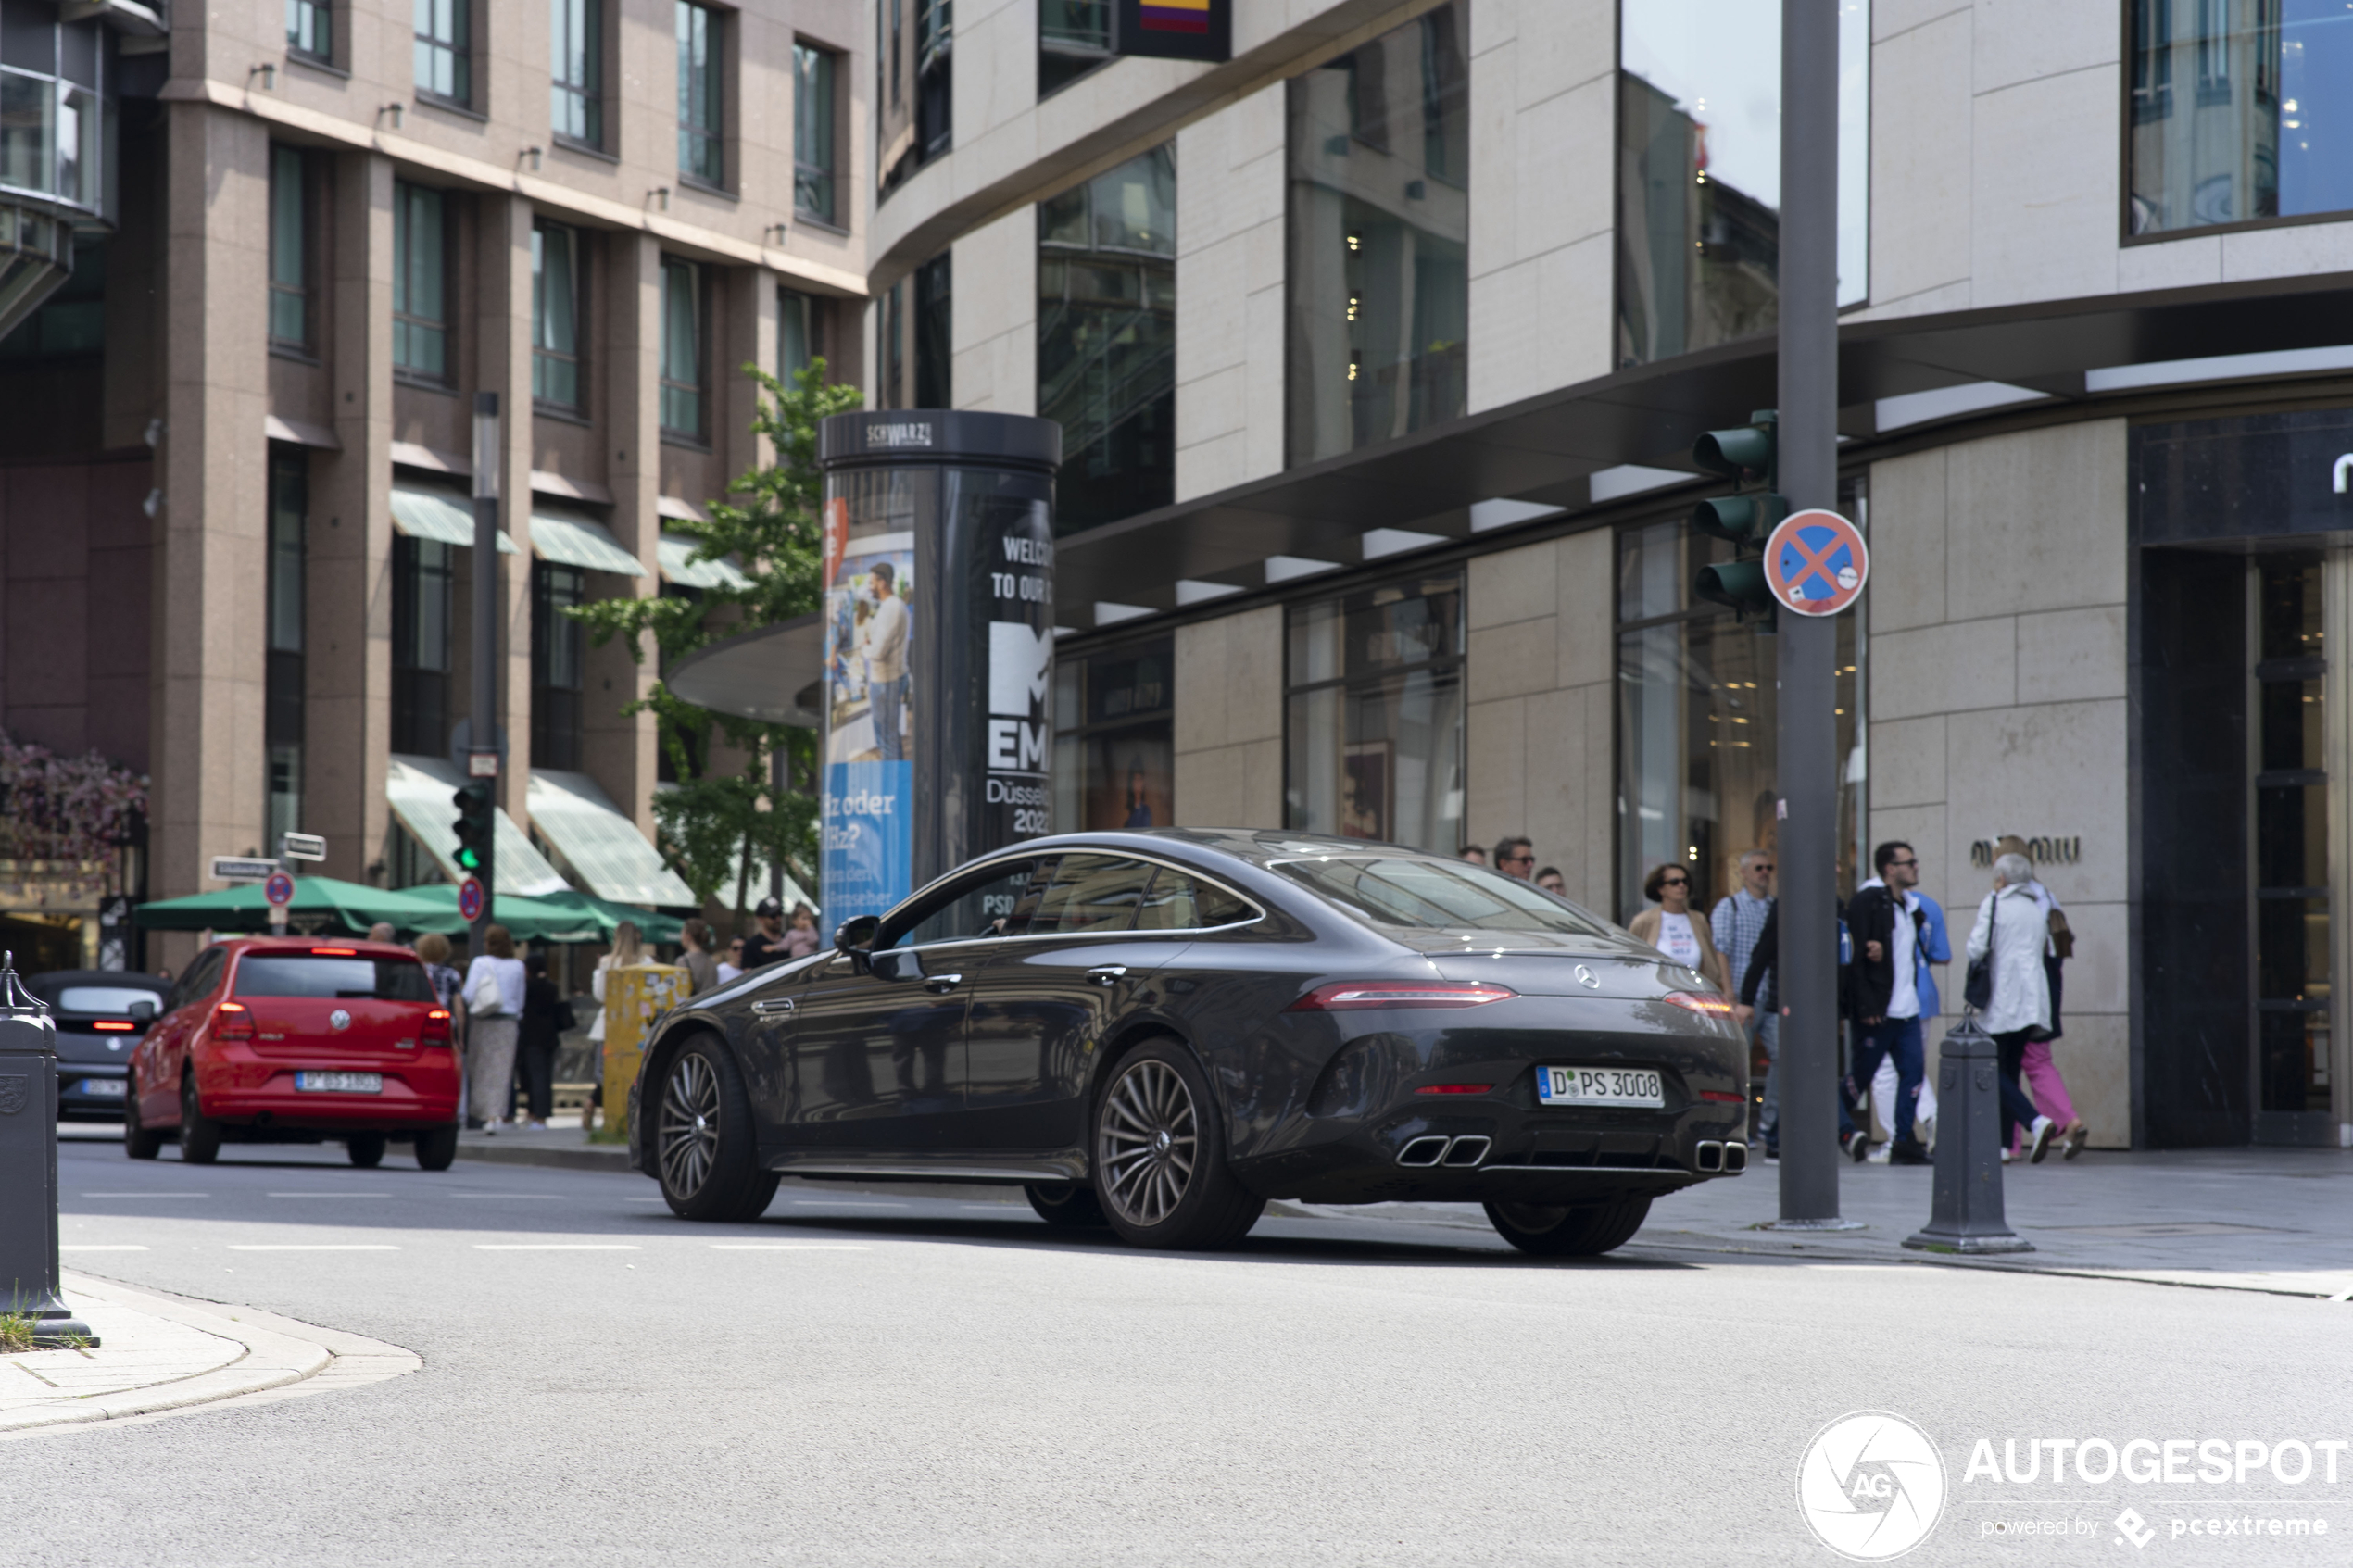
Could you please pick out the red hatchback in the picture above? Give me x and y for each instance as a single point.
(292, 1040)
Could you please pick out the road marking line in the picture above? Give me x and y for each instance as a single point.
(787, 1247)
(332, 1195)
(556, 1246)
(549, 1197)
(146, 1194)
(997, 1208)
(93, 1246)
(840, 1203)
(312, 1246)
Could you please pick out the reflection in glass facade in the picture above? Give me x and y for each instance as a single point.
(1699, 148)
(1107, 339)
(1379, 216)
(2292, 935)
(2240, 110)
(1697, 723)
(1374, 722)
(1074, 37)
(1115, 739)
(914, 90)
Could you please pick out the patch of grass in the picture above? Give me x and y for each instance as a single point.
(16, 1332)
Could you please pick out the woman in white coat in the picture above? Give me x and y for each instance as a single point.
(2011, 927)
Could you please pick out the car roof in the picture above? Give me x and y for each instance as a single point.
(298, 946)
(1257, 847)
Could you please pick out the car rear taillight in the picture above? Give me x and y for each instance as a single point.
(232, 1021)
(1453, 1088)
(1693, 1001)
(334, 952)
(108, 1026)
(436, 1029)
(1345, 994)
(1721, 1097)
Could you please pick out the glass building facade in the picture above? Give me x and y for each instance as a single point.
(1373, 727)
(1115, 746)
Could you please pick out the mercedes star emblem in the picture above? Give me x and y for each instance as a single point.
(1588, 979)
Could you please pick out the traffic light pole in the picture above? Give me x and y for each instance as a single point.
(1808, 736)
(483, 728)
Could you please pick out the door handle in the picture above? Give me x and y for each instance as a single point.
(942, 984)
(772, 1007)
(1107, 974)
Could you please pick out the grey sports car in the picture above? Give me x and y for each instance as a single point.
(1162, 1031)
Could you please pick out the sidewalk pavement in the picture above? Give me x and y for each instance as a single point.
(2273, 1220)
(160, 1353)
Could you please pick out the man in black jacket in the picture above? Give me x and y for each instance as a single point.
(1889, 926)
(1763, 960)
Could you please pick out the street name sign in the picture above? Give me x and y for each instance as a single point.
(242, 868)
(302, 845)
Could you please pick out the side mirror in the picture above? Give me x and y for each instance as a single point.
(896, 963)
(143, 1012)
(856, 936)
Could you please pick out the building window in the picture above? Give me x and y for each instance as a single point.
(72, 320)
(812, 133)
(420, 282)
(1115, 739)
(2290, 874)
(918, 337)
(1696, 721)
(556, 297)
(802, 323)
(699, 111)
(682, 349)
(1379, 283)
(915, 103)
(310, 29)
(51, 123)
(423, 577)
(1373, 730)
(1107, 339)
(445, 51)
(1699, 183)
(289, 249)
(575, 35)
(2240, 112)
(1074, 37)
(558, 658)
(282, 679)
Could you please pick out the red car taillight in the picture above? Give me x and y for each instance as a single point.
(1692, 1001)
(1350, 993)
(230, 1021)
(436, 1029)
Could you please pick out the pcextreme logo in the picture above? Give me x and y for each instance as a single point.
(1871, 1485)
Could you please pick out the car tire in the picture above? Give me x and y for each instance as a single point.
(437, 1147)
(367, 1149)
(1158, 1147)
(1586, 1231)
(199, 1133)
(138, 1141)
(1071, 1205)
(705, 1152)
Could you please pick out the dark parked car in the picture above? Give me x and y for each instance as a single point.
(1162, 1031)
(100, 1014)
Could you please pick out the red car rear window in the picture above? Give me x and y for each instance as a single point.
(310, 974)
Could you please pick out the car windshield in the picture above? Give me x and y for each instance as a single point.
(1437, 895)
(115, 1000)
(311, 975)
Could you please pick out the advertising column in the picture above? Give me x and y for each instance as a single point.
(938, 605)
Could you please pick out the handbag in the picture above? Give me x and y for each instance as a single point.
(483, 999)
(1977, 992)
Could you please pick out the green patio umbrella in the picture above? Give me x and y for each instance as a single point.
(607, 915)
(541, 917)
(321, 904)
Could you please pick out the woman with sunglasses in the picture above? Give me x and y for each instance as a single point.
(1673, 929)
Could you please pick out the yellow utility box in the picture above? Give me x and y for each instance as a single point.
(634, 995)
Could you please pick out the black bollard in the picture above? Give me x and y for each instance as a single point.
(29, 1165)
(1966, 1213)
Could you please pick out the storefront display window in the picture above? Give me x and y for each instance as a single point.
(1115, 739)
(1374, 726)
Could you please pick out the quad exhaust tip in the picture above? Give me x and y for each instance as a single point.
(1432, 1149)
(1735, 1159)
(1708, 1155)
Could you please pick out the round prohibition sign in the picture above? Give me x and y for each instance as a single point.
(1816, 563)
(470, 899)
(279, 889)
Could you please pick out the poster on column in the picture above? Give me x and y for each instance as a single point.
(1017, 542)
(870, 628)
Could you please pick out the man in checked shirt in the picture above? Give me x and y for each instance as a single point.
(1735, 923)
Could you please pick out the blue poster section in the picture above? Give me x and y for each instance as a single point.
(869, 853)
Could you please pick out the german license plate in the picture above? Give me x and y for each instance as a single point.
(102, 1086)
(1599, 1085)
(354, 1082)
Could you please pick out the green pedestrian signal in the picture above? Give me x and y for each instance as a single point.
(476, 815)
(1750, 457)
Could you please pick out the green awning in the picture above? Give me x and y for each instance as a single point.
(419, 790)
(582, 542)
(603, 848)
(673, 550)
(447, 520)
(324, 904)
(555, 918)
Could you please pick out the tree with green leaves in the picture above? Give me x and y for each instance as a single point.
(713, 826)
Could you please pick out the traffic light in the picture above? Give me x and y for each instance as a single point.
(476, 813)
(1750, 457)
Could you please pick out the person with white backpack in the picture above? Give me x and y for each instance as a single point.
(495, 983)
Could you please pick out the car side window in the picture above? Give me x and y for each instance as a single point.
(198, 981)
(1181, 901)
(994, 904)
(1092, 893)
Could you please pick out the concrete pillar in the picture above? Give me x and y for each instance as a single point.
(208, 669)
(502, 364)
(618, 751)
(750, 296)
(347, 718)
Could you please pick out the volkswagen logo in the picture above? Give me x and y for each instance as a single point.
(339, 1020)
(1587, 978)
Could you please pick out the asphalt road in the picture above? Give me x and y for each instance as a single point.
(900, 1380)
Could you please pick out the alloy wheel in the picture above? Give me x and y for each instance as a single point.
(687, 1139)
(1147, 1141)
